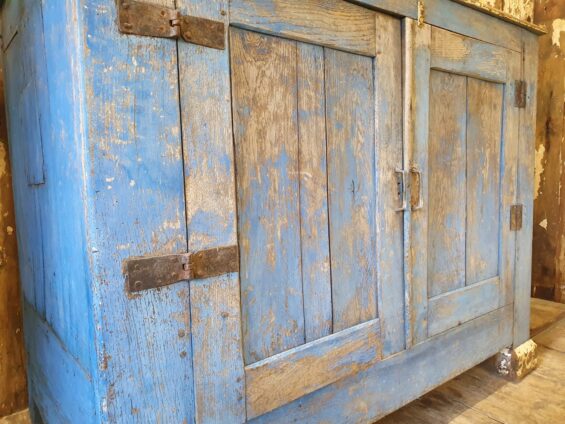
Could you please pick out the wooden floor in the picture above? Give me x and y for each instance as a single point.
(481, 397)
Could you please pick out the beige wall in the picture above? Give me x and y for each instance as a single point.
(549, 211)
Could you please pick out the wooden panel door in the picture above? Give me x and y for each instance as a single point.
(463, 184)
(291, 138)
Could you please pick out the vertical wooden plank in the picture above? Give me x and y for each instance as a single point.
(205, 97)
(447, 183)
(484, 131)
(351, 186)
(266, 146)
(525, 196)
(314, 235)
(508, 177)
(219, 378)
(136, 206)
(416, 133)
(388, 157)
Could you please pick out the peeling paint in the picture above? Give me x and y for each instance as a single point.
(543, 224)
(557, 27)
(540, 152)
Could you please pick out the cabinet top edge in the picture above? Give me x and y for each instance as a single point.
(507, 17)
(488, 10)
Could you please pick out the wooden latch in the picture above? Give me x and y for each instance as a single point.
(516, 217)
(150, 272)
(138, 18)
(520, 94)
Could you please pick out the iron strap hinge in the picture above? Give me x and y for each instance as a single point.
(150, 272)
(139, 18)
(516, 217)
(520, 94)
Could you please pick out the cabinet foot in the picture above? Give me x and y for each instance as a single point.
(518, 362)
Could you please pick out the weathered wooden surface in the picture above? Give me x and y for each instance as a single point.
(447, 183)
(331, 23)
(484, 127)
(136, 207)
(314, 228)
(266, 145)
(517, 362)
(288, 376)
(13, 396)
(209, 182)
(376, 392)
(548, 270)
(480, 396)
(351, 187)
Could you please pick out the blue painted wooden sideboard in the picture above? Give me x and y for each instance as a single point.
(268, 211)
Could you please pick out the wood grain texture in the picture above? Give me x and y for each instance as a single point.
(331, 23)
(543, 314)
(209, 176)
(266, 146)
(43, 109)
(351, 187)
(523, 286)
(375, 392)
(451, 309)
(416, 136)
(12, 360)
(407, 8)
(480, 396)
(484, 131)
(447, 183)
(219, 379)
(291, 375)
(388, 157)
(454, 53)
(136, 206)
(472, 23)
(508, 177)
(62, 389)
(314, 232)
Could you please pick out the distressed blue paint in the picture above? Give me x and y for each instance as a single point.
(351, 187)
(314, 234)
(95, 127)
(61, 387)
(137, 207)
(390, 384)
(268, 193)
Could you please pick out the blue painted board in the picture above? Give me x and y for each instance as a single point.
(350, 119)
(266, 146)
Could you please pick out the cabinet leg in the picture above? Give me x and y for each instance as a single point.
(518, 362)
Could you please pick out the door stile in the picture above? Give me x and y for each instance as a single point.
(510, 140)
(416, 121)
(525, 194)
(389, 156)
(206, 117)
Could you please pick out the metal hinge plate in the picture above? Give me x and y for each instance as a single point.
(139, 18)
(521, 91)
(516, 214)
(150, 272)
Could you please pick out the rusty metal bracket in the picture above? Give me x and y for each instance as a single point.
(150, 272)
(139, 18)
(516, 217)
(520, 94)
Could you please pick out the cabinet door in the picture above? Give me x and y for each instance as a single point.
(315, 119)
(463, 181)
